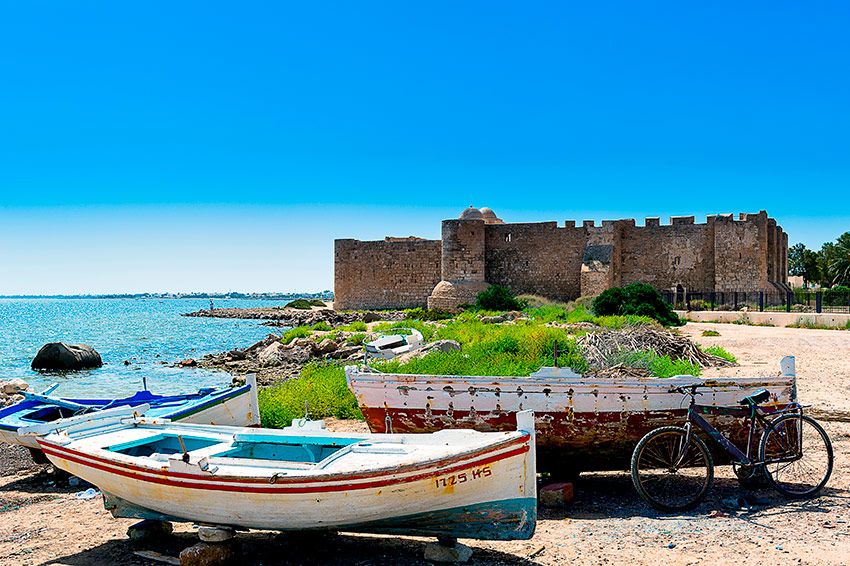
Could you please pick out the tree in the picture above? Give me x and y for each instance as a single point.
(838, 260)
(826, 257)
(803, 261)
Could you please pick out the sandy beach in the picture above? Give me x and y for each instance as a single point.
(41, 521)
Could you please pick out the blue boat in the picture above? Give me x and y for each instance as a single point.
(231, 406)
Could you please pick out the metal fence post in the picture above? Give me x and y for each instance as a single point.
(818, 302)
(788, 298)
(761, 301)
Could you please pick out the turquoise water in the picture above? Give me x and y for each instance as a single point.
(144, 331)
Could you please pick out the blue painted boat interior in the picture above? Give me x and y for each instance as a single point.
(300, 449)
(306, 453)
(162, 444)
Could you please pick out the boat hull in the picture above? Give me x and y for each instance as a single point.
(235, 407)
(582, 424)
(488, 494)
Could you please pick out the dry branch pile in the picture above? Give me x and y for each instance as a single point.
(604, 350)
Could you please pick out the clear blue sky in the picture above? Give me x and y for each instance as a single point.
(223, 146)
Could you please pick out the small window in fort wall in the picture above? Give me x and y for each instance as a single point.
(508, 237)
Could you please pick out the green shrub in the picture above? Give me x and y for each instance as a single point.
(836, 296)
(356, 326)
(426, 314)
(322, 386)
(322, 326)
(710, 333)
(497, 298)
(356, 339)
(637, 299)
(293, 333)
(721, 353)
(302, 304)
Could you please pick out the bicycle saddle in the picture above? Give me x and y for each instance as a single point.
(759, 396)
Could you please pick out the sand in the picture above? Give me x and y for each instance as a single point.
(42, 522)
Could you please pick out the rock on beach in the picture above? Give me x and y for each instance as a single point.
(62, 356)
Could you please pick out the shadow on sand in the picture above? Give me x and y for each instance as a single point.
(288, 549)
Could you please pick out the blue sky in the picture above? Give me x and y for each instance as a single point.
(220, 146)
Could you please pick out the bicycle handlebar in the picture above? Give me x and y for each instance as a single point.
(688, 390)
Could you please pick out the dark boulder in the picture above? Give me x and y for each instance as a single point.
(61, 356)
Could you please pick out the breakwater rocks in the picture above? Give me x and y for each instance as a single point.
(283, 316)
(272, 360)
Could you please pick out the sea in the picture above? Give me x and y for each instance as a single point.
(148, 333)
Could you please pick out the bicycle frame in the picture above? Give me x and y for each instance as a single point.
(756, 417)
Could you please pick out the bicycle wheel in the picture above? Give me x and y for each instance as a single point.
(668, 475)
(797, 455)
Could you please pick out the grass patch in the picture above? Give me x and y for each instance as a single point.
(720, 352)
(322, 326)
(356, 326)
(710, 333)
(404, 325)
(805, 322)
(426, 314)
(489, 349)
(321, 386)
(356, 339)
(658, 366)
(293, 333)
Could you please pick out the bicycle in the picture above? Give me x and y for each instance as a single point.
(672, 468)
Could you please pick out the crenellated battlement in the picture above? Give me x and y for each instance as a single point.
(724, 253)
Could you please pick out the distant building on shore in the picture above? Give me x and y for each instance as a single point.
(478, 249)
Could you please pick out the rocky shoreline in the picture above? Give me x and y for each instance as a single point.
(286, 316)
(272, 360)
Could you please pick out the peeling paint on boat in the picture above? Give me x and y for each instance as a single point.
(583, 423)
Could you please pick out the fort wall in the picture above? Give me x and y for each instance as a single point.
(723, 254)
(539, 258)
(391, 273)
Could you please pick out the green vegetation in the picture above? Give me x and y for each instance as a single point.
(710, 333)
(403, 327)
(658, 366)
(497, 298)
(322, 326)
(304, 304)
(356, 326)
(806, 322)
(636, 299)
(829, 266)
(515, 349)
(293, 333)
(322, 386)
(720, 352)
(492, 349)
(426, 314)
(356, 339)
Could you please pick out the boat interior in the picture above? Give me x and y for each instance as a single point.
(243, 449)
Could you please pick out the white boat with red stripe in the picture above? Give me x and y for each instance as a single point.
(451, 483)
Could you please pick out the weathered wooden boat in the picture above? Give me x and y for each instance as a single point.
(453, 483)
(236, 406)
(583, 423)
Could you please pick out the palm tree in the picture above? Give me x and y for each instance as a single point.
(839, 260)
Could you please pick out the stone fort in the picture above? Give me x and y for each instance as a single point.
(725, 254)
